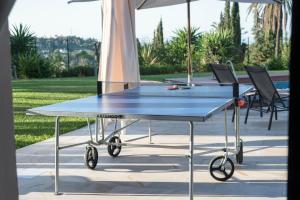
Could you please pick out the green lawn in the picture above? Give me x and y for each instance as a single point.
(39, 92)
(33, 93)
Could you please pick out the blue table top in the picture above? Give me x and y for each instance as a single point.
(149, 102)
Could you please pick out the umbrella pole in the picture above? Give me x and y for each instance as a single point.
(189, 67)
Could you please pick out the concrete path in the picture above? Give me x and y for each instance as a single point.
(162, 172)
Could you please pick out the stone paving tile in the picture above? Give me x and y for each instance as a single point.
(161, 172)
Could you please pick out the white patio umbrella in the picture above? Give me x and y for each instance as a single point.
(119, 55)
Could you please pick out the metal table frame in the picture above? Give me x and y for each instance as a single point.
(104, 140)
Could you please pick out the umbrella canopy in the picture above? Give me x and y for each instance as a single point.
(143, 4)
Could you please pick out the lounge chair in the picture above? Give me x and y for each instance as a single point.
(270, 99)
(225, 74)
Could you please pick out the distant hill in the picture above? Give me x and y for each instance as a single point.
(60, 42)
(81, 51)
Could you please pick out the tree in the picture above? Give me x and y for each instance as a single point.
(158, 39)
(177, 48)
(235, 24)
(158, 43)
(236, 33)
(84, 58)
(227, 21)
(221, 24)
(139, 49)
(216, 47)
(274, 20)
(263, 48)
(230, 22)
(22, 42)
(57, 62)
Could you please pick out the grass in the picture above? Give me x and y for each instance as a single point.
(38, 92)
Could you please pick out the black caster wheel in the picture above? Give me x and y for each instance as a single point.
(239, 157)
(221, 172)
(114, 150)
(91, 157)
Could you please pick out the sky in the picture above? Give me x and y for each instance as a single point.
(49, 18)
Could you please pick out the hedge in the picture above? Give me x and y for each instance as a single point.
(78, 71)
(155, 70)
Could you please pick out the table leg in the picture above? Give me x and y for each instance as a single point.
(226, 129)
(123, 131)
(57, 156)
(102, 127)
(89, 128)
(237, 128)
(97, 129)
(149, 132)
(191, 161)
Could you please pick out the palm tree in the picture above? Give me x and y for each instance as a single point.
(274, 19)
(179, 44)
(22, 42)
(182, 34)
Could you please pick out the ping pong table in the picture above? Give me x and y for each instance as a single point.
(136, 101)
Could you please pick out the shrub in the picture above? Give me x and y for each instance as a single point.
(176, 49)
(155, 70)
(216, 47)
(78, 71)
(33, 65)
(57, 62)
(277, 64)
(146, 54)
(285, 54)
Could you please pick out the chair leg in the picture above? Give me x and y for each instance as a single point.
(260, 108)
(233, 115)
(271, 118)
(276, 114)
(250, 103)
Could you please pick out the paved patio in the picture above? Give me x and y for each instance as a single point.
(162, 172)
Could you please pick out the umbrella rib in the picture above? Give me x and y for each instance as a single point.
(277, 1)
(79, 1)
(141, 4)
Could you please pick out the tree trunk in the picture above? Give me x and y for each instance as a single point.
(278, 32)
(14, 68)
